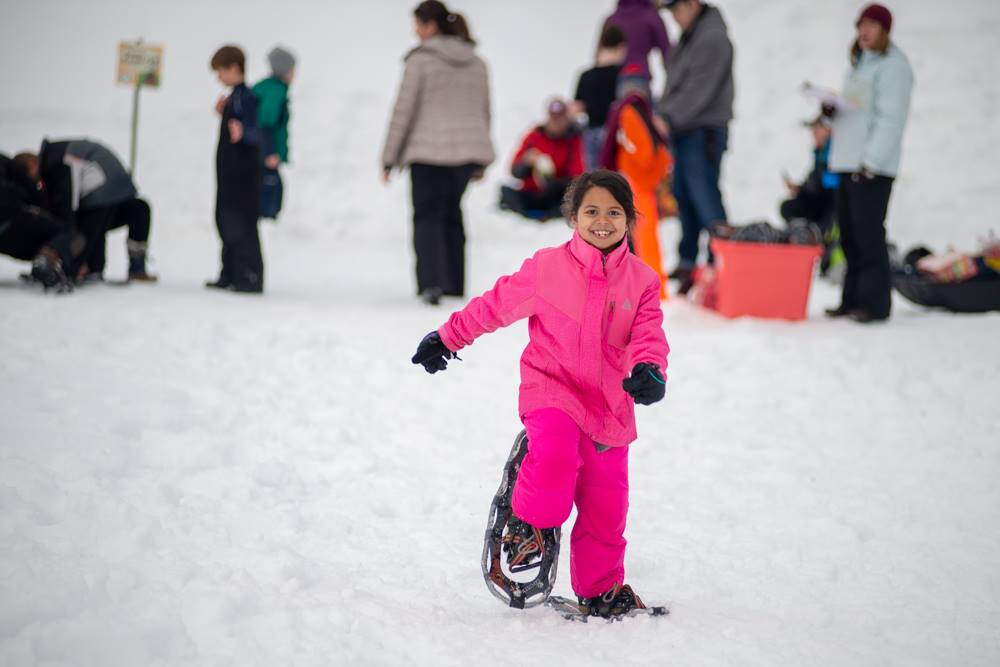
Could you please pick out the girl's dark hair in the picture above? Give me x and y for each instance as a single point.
(448, 22)
(611, 181)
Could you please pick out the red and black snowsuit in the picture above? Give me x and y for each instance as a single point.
(534, 199)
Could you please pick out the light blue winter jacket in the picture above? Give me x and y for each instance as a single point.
(871, 135)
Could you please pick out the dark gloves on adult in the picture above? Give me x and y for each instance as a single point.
(432, 354)
(646, 384)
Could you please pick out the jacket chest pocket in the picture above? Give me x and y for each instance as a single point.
(618, 326)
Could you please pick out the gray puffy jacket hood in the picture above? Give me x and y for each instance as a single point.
(453, 50)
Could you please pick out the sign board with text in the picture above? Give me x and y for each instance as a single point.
(139, 64)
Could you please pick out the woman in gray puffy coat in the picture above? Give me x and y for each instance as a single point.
(440, 129)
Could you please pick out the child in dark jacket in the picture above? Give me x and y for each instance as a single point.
(597, 90)
(813, 198)
(272, 122)
(237, 165)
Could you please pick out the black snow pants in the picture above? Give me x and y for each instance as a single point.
(862, 203)
(438, 232)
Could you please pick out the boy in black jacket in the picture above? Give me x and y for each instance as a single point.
(237, 166)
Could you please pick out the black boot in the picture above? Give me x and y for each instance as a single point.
(47, 269)
(839, 311)
(137, 262)
(432, 296)
(617, 601)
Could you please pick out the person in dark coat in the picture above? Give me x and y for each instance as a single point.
(28, 232)
(237, 167)
(88, 187)
(696, 108)
(813, 198)
(597, 90)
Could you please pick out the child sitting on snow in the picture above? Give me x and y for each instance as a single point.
(550, 156)
(596, 347)
(813, 198)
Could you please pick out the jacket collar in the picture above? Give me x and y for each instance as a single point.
(593, 259)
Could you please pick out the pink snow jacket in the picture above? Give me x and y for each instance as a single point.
(591, 318)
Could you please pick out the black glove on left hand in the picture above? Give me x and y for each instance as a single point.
(432, 354)
(646, 384)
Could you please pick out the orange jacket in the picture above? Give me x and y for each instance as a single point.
(643, 161)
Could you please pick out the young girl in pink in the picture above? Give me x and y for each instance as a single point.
(596, 348)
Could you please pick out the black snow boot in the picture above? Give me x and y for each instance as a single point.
(47, 269)
(617, 601)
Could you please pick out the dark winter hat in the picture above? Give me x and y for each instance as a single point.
(878, 13)
(282, 62)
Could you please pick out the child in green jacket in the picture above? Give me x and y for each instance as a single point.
(272, 120)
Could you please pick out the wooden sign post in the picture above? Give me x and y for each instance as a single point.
(139, 65)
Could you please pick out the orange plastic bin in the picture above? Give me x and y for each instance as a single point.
(763, 279)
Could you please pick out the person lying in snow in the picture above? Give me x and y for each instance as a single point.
(954, 266)
(88, 187)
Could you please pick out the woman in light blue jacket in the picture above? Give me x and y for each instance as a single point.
(866, 147)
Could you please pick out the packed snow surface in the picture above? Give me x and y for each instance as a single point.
(191, 477)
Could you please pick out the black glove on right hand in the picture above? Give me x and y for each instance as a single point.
(432, 354)
(646, 384)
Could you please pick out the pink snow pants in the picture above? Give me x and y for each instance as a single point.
(563, 466)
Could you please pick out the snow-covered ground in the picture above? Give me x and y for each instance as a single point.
(190, 477)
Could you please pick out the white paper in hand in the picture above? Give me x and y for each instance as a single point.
(828, 97)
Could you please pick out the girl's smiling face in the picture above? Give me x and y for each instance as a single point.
(601, 220)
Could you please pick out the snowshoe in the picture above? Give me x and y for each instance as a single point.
(527, 548)
(616, 604)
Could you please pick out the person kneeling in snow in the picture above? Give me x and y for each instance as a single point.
(89, 188)
(550, 156)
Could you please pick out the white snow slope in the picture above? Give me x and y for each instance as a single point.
(190, 477)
